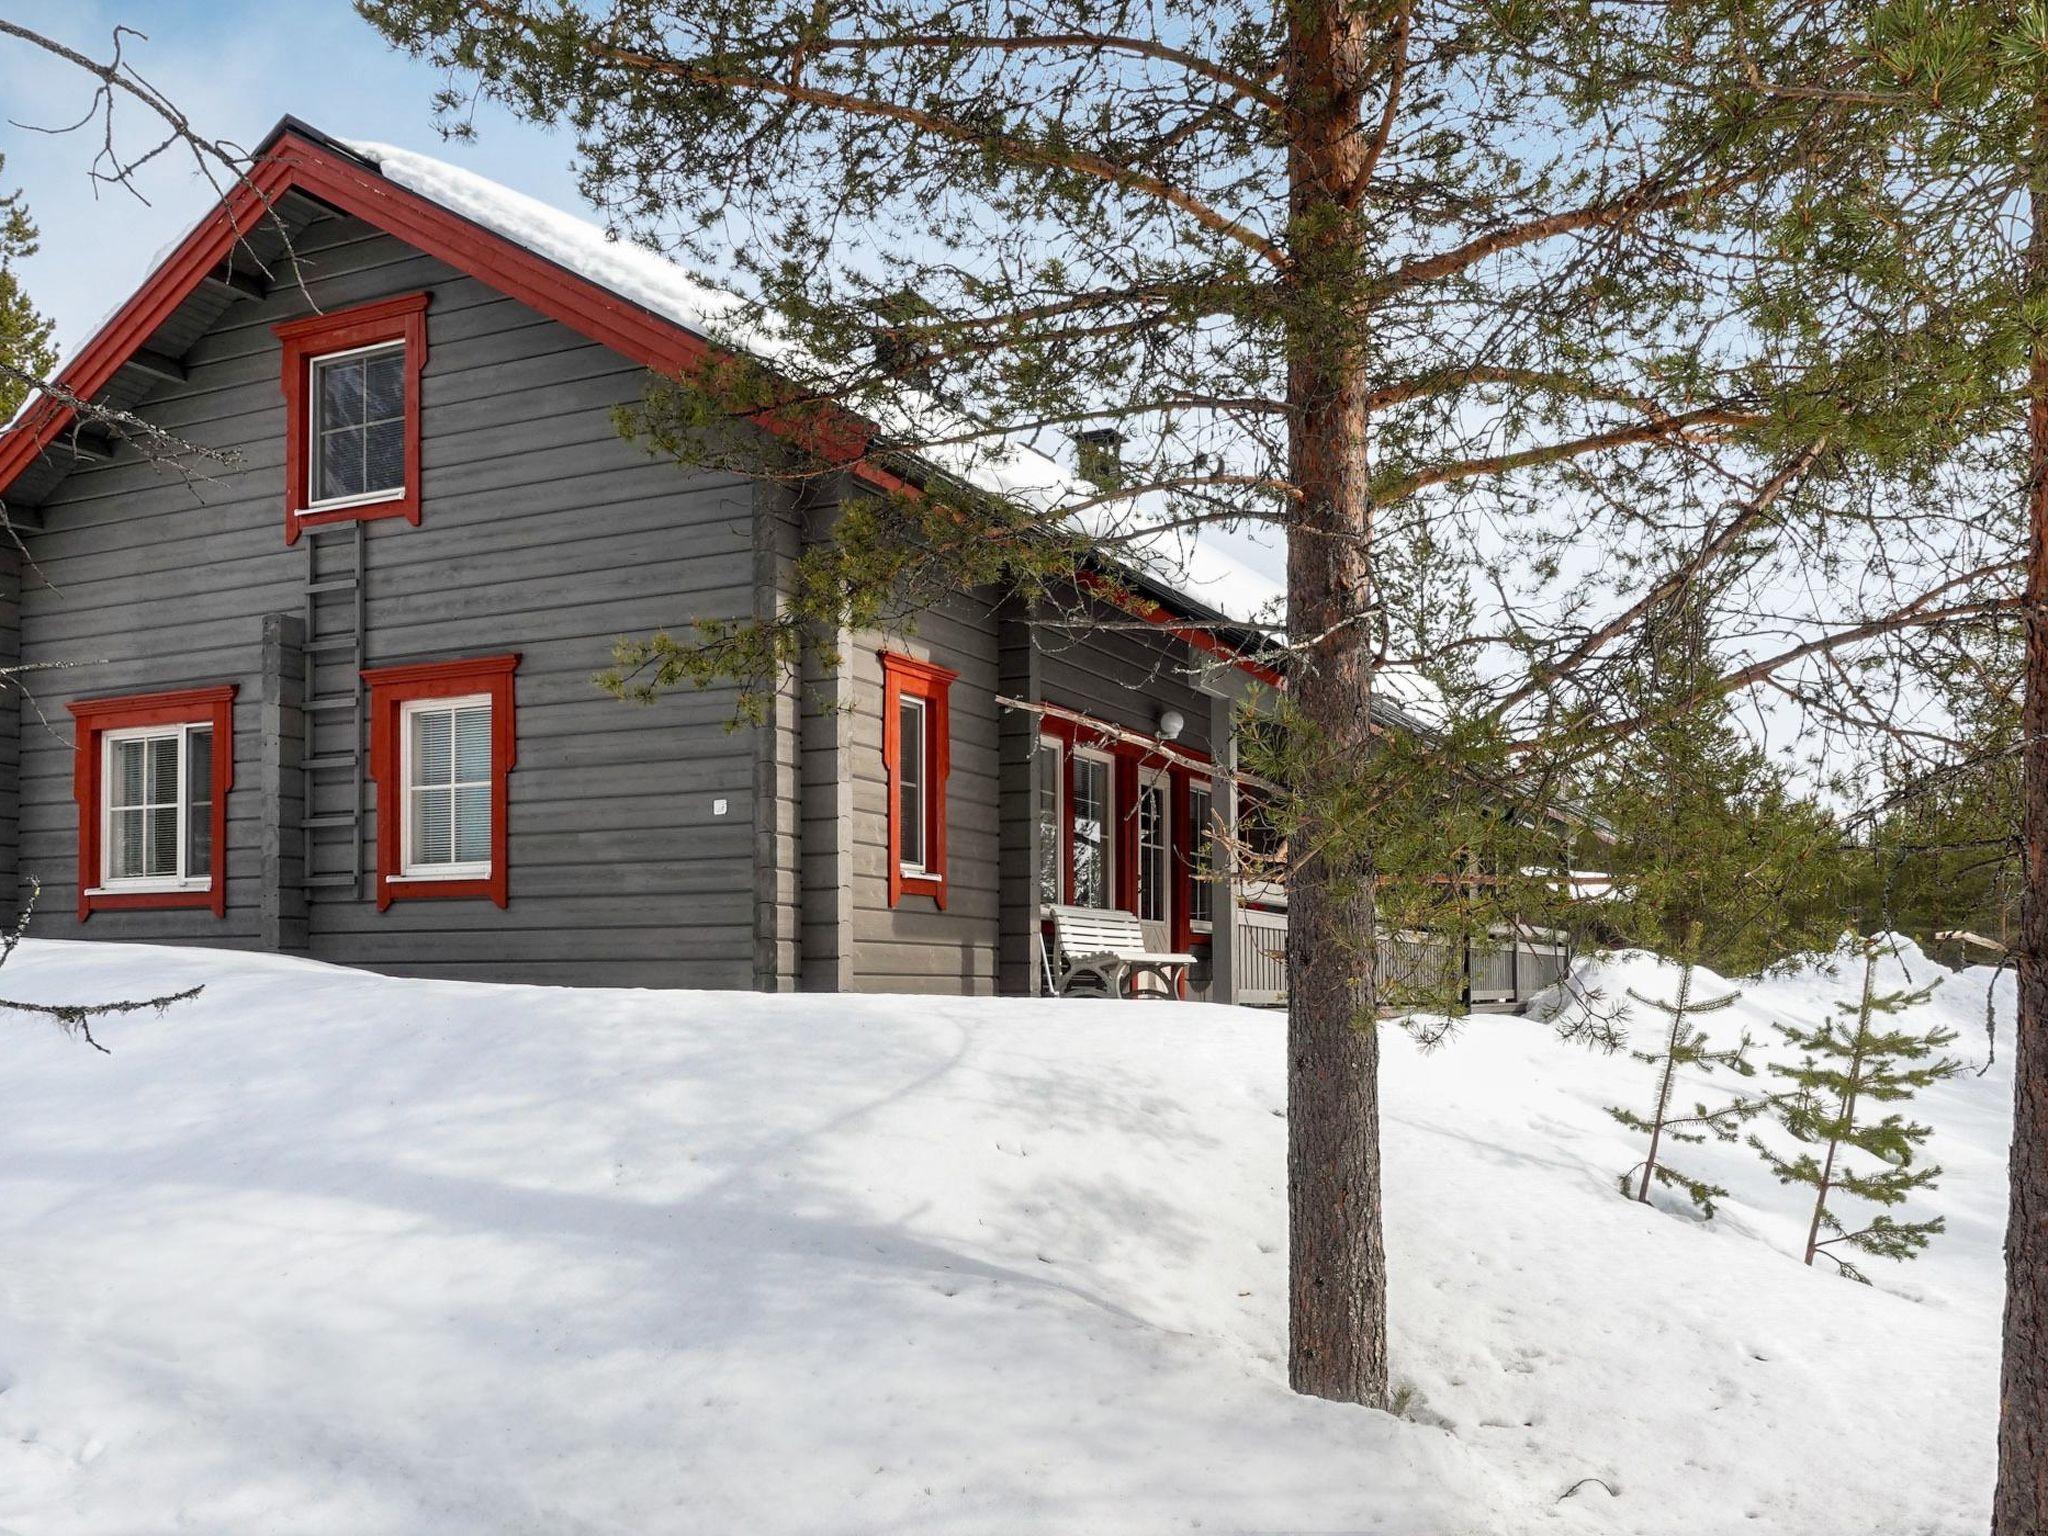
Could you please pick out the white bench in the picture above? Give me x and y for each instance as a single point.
(1109, 946)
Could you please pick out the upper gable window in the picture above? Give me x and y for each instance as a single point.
(352, 413)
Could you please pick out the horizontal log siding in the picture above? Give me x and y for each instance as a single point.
(1127, 677)
(916, 947)
(543, 533)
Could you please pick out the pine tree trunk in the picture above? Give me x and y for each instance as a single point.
(1845, 1107)
(2020, 1505)
(1337, 1312)
(1664, 1085)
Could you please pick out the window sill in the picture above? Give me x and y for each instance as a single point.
(151, 899)
(439, 877)
(484, 887)
(352, 503)
(154, 888)
(934, 886)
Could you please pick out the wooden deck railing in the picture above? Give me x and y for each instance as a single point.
(1507, 970)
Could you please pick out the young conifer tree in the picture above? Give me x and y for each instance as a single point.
(1851, 1066)
(1716, 864)
(1683, 1047)
(25, 350)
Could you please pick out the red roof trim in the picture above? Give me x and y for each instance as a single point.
(1114, 593)
(297, 163)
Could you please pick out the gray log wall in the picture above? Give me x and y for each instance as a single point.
(543, 532)
(648, 845)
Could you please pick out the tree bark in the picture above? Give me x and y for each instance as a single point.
(2020, 1504)
(1337, 1312)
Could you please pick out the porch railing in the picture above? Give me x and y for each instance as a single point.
(1509, 967)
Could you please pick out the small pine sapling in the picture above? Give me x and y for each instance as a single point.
(1850, 1063)
(1685, 1046)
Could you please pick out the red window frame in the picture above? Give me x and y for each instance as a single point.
(391, 688)
(904, 676)
(93, 718)
(403, 319)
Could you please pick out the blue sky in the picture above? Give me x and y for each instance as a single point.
(235, 66)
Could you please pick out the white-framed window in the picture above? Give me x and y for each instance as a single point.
(357, 426)
(1202, 860)
(1155, 848)
(157, 832)
(1052, 823)
(445, 746)
(913, 782)
(1094, 847)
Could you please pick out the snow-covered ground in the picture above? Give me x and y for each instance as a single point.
(323, 1252)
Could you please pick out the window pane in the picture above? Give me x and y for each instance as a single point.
(910, 826)
(126, 859)
(1049, 829)
(127, 774)
(1091, 833)
(199, 804)
(473, 824)
(1152, 853)
(163, 770)
(1202, 895)
(161, 856)
(340, 471)
(432, 746)
(473, 745)
(384, 457)
(341, 393)
(910, 778)
(384, 385)
(432, 826)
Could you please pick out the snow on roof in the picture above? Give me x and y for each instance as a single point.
(1199, 572)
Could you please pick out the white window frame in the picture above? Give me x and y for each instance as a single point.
(1061, 831)
(919, 867)
(111, 884)
(1161, 780)
(1091, 755)
(408, 711)
(1197, 875)
(313, 367)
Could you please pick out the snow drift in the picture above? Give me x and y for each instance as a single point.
(327, 1252)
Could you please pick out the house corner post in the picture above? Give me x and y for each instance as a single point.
(826, 755)
(778, 819)
(10, 733)
(281, 783)
(825, 784)
(1017, 789)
